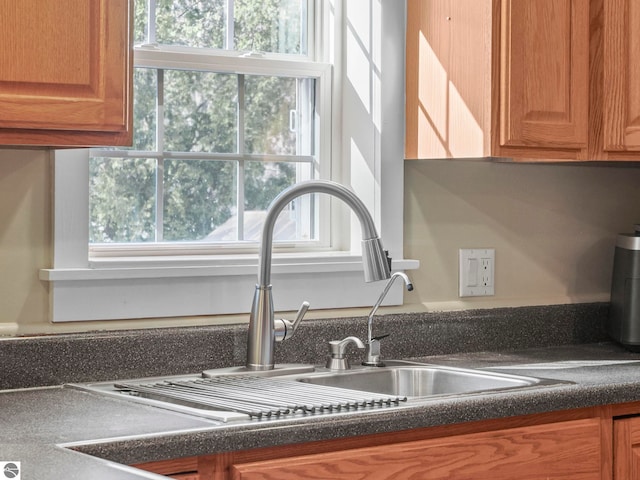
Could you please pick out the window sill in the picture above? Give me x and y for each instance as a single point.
(117, 289)
(232, 265)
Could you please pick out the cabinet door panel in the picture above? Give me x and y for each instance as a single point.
(621, 75)
(448, 89)
(567, 450)
(64, 67)
(626, 444)
(544, 73)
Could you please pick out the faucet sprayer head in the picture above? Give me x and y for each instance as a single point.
(375, 260)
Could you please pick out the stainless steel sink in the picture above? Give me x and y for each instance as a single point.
(236, 394)
(419, 380)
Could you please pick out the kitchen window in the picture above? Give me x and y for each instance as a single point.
(229, 107)
(281, 116)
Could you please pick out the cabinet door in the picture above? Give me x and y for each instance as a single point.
(621, 90)
(544, 71)
(65, 72)
(626, 449)
(563, 451)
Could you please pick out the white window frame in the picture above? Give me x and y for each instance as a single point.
(171, 58)
(367, 143)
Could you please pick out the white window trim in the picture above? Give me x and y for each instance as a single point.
(177, 58)
(105, 289)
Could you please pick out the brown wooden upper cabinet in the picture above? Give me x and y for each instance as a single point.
(538, 80)
(65, 72)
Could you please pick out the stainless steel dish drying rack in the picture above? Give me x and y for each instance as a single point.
(258, 397)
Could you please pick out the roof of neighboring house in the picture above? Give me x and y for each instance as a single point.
(285, 227)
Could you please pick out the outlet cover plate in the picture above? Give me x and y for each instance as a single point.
(477, 272)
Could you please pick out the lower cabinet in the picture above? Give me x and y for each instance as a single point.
(567, 450)
(569, 445)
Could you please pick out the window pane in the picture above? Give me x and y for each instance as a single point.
(192, 23)
(270, 103)
(140, 31)
(200, 111)
(122, 200)
(210, 115)
(144, 109)
(263, 182)
(274, 26)
(199, 197)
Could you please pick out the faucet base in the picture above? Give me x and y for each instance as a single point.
(280, 369)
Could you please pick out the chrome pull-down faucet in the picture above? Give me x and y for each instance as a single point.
(372, 355)
(262, 329)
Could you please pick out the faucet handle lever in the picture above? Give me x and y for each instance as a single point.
(380, 337)
(284, 329)
(300, 315)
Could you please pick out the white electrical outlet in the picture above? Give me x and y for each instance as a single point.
(477, 269)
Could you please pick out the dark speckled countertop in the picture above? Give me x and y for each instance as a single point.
(58, 432)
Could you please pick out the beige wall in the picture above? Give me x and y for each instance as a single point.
(25, 223)
(553, 228)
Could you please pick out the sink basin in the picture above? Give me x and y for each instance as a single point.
(235, 394)
(421, 380)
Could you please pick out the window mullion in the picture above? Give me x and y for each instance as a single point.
(160, 200)
(241, 152)
(240, 200)
(230, 28)
(151, 22)
(160, 159)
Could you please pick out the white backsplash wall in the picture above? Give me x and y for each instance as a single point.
(553, 227)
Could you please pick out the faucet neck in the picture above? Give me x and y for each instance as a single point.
(312, 186)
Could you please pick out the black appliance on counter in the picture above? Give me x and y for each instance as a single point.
(624, 314)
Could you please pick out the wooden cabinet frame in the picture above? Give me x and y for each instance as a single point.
(621, 72)
(530, 80)
(589, 433)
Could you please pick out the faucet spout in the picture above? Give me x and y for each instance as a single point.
(261, 336)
